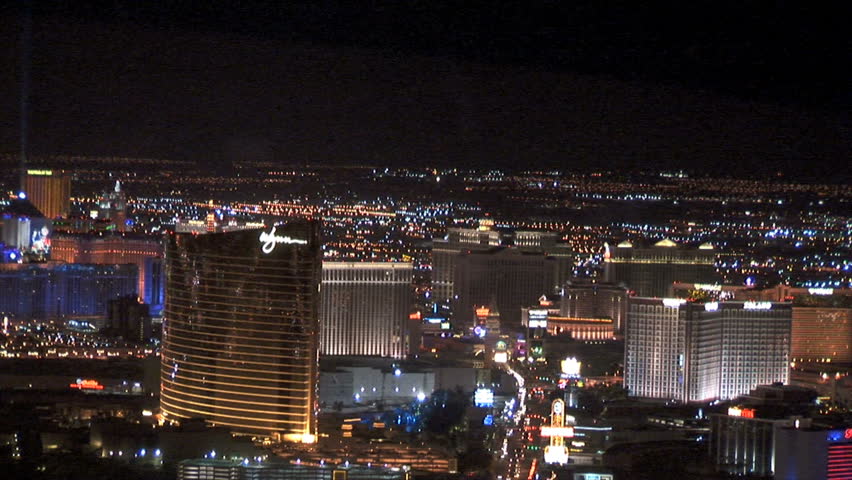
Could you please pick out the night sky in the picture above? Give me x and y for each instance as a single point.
(504, 84)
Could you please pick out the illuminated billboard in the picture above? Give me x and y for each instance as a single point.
(741, 412)
(757, 305)
(483, 397)
(537, 318)
(571, 367)
(87, 385)
(556, 454)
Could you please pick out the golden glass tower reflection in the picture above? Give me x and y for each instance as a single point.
(240, 332)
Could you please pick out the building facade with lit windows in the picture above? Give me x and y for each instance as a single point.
(822, 317)
(822, 335)
(822, 327)
(117, 248)
(240, 335)
(364, 308)
(649, 271)
(446, 250)
(49, 191)
(42, 291)
(507, 276)
(696, 352)
(584, 299)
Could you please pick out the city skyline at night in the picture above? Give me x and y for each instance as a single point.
(404, 240)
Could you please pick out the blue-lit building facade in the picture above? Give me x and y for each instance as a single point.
(154, 284)
(52, 290)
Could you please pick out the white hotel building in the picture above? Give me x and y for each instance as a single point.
(698, 352)
(364, 308)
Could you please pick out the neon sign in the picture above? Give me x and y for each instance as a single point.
(483, 397)
(537, 318)
(557, 432)
(673, 302)
(87, 385)
(757, 305)
(538, 324)
(821, 291)
(741, 412)
(840, 435)
(270, 240)
(571, 367)
(556, 452)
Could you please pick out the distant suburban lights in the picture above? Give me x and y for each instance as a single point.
(270, 240)
(757, 305)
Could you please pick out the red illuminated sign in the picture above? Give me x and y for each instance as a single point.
(483, 312)
(87, 385)
(741, 412)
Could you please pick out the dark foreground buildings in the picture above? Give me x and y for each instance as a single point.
(240, 337)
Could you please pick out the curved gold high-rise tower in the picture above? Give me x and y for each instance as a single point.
(240, 332)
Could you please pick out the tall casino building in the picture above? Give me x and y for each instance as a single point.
(365, 307)
(240, 339)
(649, 271)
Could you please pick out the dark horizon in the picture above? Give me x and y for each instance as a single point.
(218, 85)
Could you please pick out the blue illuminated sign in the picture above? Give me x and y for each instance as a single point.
(835, 436)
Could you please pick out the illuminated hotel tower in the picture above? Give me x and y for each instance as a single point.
(49, 191)
(695, 352)
(365, 307)
(650, 271)
(446, 250)
(241, 330)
